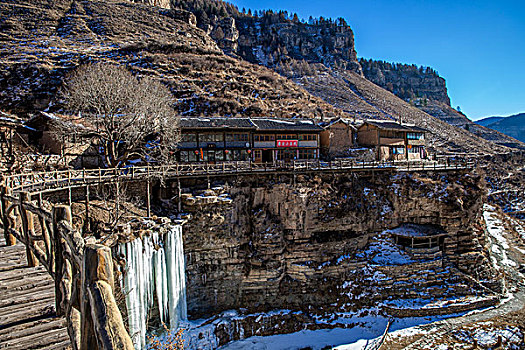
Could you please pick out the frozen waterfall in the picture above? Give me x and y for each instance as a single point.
(154, 268)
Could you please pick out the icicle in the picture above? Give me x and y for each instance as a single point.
(154, 272)
(176, 276)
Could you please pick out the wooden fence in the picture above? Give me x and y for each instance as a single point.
(81, 268)
(51, 180)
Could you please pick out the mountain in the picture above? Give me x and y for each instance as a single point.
(487, 121)
(409, 82)
(319, 75)
(513, 126)
(42, 40)
(425, 89)
(274, 38)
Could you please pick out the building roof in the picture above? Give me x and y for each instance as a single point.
(286, 124)
(262, 124)
(216, 122)
(9, 120)
(40, 120)
(391, 125)
(326, 125)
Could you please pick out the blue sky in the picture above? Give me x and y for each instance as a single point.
(477, 46)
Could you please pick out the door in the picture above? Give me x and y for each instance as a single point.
(211, 157)
(267, 156)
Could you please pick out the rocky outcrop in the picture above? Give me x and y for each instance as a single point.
(317, 244)
(274, 38)
(408, 82)
(224, 32)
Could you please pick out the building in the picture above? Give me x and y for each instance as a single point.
(337, 138)
(256, 139)
(393, 141)
(215, 139)
(64, 136)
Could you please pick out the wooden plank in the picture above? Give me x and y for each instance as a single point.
(38, 340)
(26, 298)
(19, 273)
(25, 283)
(16, 313)
(18, 293)
(34, 327)
(59, 346)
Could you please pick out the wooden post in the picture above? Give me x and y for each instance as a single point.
(148, 198)
(87, 228)
(4, 205)
(60, 213)
(179, 199)
(102, 326)
(45, 235)
(28, 228)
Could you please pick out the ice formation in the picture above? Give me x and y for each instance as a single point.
(154, 268)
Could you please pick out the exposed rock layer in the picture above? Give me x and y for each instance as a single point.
(308, 246)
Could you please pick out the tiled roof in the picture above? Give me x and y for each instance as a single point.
(9, 120)
(286, 124)
(215, 122)
(329, 123)
(388, 125)
(249, 123)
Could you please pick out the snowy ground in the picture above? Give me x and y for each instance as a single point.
(359, 337)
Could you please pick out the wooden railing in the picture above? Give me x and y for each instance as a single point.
(81, 268)
(44, 181)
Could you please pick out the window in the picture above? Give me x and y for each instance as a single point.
(219, 155)
(392, 134)
(398, 150)
(308, 137)
(237, 137)
(240, 154)
(211, 137)
(184, 157)
(286, 154)
(257, 154)
(287, 137)
(263, 138)
(193, 157)
(307, 154)
(189, 138)
(414, 149)
(415, 135)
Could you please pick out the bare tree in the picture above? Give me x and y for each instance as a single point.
(131, 118)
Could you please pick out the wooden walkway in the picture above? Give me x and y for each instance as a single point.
(52, 180)
(27, 304)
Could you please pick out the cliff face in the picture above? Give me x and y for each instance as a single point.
(273, 38)
(407, 81)
(319, 243)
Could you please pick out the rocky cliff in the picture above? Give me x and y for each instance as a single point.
(273, 38)
(409, 82)
(320, 242)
